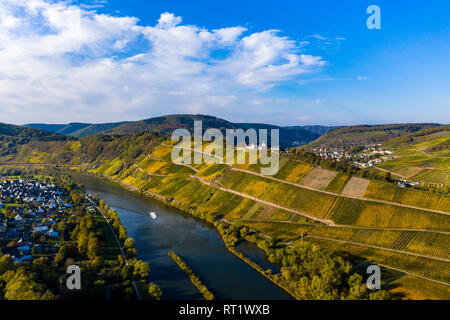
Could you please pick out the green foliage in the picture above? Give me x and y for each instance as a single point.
(208, 295)
(21, 286)
(141, 269)
(154, 291)
(313, 273)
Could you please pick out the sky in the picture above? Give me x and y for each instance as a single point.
(280, 62)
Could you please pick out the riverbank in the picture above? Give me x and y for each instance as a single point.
(202, 288)
(119, 245)
(213, 224)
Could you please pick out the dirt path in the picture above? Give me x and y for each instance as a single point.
(308, 216)
(328, 192)
(179, 164)
(138, 295)
(348, 226)
(379, 264)
(340, 195)
(150, 174)
(379, 248)
(387, 171)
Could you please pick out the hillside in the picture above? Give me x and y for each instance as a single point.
(166, 124)
(317, 129)
(421, 156)
(12, 137)
(289, 136)
(76, 129)
(345, 137)
(401, 228)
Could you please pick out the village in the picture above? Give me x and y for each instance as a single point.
(367, 156)
(29, 214)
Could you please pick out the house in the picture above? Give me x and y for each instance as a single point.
(41, 228)
(53, 233)
(24, 248)
(22, 258)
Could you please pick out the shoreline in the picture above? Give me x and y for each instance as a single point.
(164, 201)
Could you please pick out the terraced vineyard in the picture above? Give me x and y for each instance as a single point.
(422, 156)
(371, 224)
(366, 220)
(404, 240)
(407, 196)
(308, 201)
(419, 266)
(359, 213)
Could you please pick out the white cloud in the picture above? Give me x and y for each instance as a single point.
(62, 62)
(309, 60)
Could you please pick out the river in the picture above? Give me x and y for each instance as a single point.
(197, 242)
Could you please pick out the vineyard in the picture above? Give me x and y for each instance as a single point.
(318, 178)
(389, 192)
(337, 184)
(308, 201)
(359, 213)
(426, 267)
(355, 187)
(362, 223)
(292, 171)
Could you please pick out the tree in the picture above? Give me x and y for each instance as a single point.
(141, 269)
(6, 263)
(93, 249)
(126, 272)
(154, 291)
(23, 287)
(129, 243)
(62, 254)
(388, 177)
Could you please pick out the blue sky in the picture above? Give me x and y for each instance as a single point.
(322, 66)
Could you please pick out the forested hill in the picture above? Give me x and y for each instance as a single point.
(76, 129)
(164, 125)
(289, 136)
(366, 134)
(320, 130)
(12, 136)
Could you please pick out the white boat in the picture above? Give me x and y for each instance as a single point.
(153, 215)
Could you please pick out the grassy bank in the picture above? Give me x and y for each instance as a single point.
(208, 295)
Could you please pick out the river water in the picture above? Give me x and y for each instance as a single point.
(197, 242)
